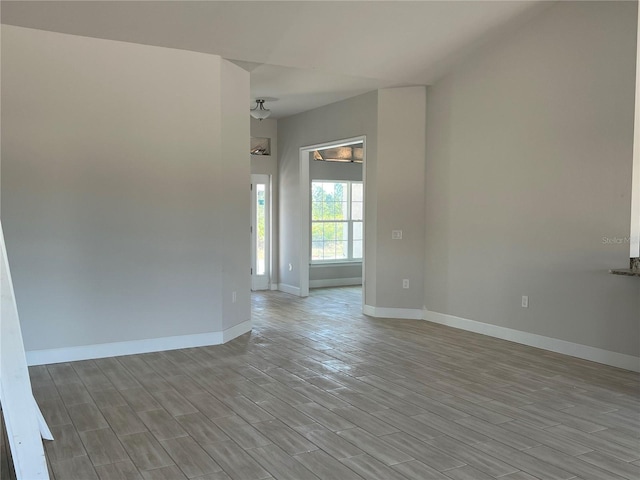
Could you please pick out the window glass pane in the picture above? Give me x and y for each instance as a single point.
(261, 238)
(316, 250)
(316, 200)
(317, 234)
(342, 231)
(357, 231)
(357, 249)
(357, 192)
(316, 211)
(344, 211)
(329, 232)
(337, 231)
(328, 190)
(329, 250)
(327, 211)
(356, 210)
(342, 250)
(340, 192)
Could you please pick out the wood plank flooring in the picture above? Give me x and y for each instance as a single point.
(319, 391)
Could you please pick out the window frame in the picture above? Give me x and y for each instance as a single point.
(350, 221)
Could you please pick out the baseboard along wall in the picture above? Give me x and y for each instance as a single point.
(116, 349)
(335, 282)
(585, 352)
(290, 289)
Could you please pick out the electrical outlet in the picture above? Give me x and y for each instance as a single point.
(396, 234)
(525, 301)
(405, 283)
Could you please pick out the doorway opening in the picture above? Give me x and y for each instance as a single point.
(332, 200)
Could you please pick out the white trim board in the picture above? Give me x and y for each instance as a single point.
(290, 289)
(335, 282)
(614, 359)
(235, 331)
(400, 313)
(22, 417)
(102, 350)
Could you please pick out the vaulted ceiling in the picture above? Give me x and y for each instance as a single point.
(304, 53)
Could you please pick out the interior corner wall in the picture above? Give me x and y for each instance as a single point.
(528, 180)
(400, 197)
(235, 204)
(268, 165)
(113, 182)
(346, 119)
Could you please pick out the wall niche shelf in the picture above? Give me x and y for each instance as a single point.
(260, 146)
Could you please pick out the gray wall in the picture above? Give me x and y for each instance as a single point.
(124, 208)
(319, 170)
(400, 197)
(349, 118)
(529, 155)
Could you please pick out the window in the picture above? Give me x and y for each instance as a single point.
(336, 221)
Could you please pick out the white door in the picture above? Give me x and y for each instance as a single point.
(260, 232)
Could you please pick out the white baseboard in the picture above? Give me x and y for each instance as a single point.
(273, 286)
(237, 330)
(290, 289)
(384, 312)
(335, 282)
(585, 352)
(115, 349)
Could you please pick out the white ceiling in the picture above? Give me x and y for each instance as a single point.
(304, 53)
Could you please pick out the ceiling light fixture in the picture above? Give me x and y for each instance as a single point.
(259, 112)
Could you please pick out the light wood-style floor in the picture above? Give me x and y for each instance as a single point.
(318, 390)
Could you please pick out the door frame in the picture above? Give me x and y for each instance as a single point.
(305, 208)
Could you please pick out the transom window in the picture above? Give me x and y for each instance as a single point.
(336, 221)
